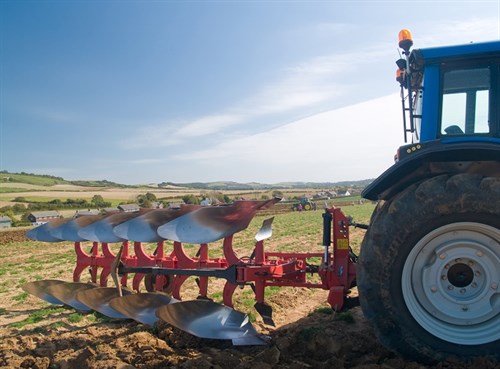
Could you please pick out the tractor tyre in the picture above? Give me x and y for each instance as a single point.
(429, 269)
(307, 206)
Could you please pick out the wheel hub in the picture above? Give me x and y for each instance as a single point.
(460, 280)
(450, 283)
(460, 275)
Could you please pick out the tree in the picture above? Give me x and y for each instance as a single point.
(9, 213)
(18, 208)
(146, 200)
(190, 199)
(150, 196)
(97, 200)
(278, 194)
(24, 217)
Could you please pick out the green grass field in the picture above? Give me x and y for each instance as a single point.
(31, 179)
(12, 189)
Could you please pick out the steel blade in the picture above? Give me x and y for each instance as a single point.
(144, 227)
(98, 299)
(209, 224)
(102, 230)
(69, 230)
(141, 307)
(66, 292)
(265, 231)
(251, 340)
(207, 319)
(39, 289)
(44, 231)
(266, 312)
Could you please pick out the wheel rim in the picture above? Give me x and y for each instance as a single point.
(450, 283)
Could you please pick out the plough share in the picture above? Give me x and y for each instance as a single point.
(163, 272)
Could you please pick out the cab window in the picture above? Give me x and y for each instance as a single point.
(465, 102)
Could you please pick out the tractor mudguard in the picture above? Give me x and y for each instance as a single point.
(425, 160)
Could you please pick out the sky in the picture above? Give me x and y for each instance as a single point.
(141, 92)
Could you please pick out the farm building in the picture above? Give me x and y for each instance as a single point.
(40, 217)
(5, 222)
(80, 213)
(110, 210)
(129, 208)
(344, 193)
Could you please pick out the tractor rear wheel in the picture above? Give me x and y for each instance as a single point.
(429, 269)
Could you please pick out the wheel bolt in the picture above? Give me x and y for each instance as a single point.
(458, 260)
(442, 256)
(443, 277)
(473, 285)
(465, 308)
(494, 286)
(450, 287)
(477, 273)
(471, 263)
(434, 289)
(462, 290)
(479, 253)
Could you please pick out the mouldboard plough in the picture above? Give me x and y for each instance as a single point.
(162, 273)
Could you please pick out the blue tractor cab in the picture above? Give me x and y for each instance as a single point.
(451, 101)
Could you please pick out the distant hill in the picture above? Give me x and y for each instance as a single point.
(29, 178)
(101, 183)
(48, 180)
(222, 185)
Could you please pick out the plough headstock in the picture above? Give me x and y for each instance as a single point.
(167, 271)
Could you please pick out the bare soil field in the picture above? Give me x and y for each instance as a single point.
(307, 334)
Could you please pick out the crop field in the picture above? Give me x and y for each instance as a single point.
(308, 334)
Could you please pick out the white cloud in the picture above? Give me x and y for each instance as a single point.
(355, 142)
(304, 85)
(312, 83)
(165, 134)
(207, 125)
(457, 32)
(145, 161)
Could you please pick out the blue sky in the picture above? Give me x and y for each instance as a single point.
(249, 91)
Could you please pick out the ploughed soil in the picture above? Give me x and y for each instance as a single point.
(307, 335)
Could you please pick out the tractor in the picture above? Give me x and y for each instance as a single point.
(429, 266)
(428, 272)
(303, 204)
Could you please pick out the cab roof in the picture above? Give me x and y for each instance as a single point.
(437, 54)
